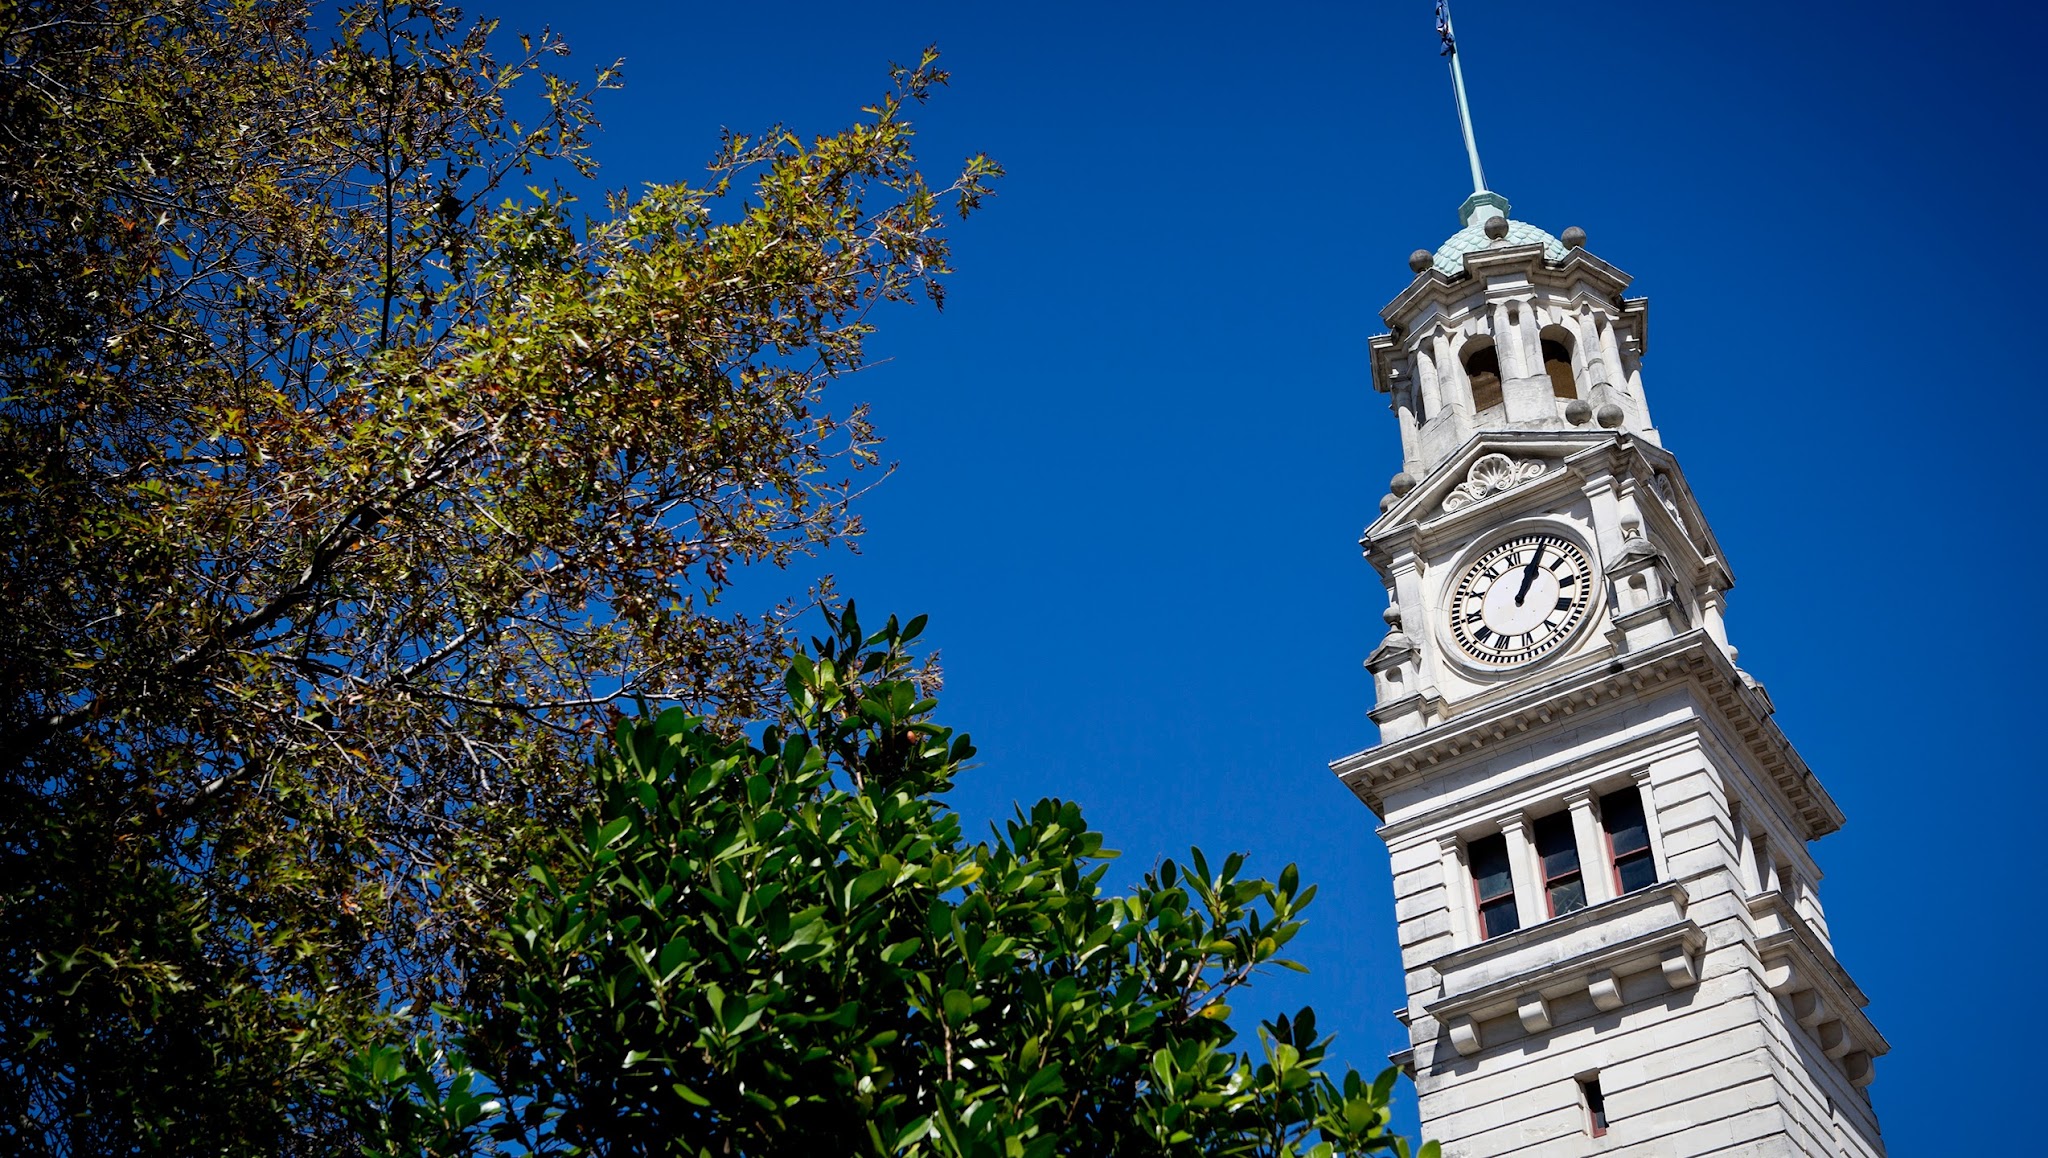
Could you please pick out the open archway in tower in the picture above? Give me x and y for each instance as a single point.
(1557, 361)
(1482, 369)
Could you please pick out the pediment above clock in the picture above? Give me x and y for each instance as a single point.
(1487, 468)
(1499, 472)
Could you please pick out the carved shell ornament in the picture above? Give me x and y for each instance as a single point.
(1492, 474)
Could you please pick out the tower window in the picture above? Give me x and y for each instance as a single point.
(1628, 839)
(1482, 368)
(1563, 884)
(1494, 886)
(1557, 362)
(1596, 1105)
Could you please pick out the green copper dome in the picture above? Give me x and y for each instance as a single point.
(1450, 256)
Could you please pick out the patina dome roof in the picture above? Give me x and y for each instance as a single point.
(1450, 256)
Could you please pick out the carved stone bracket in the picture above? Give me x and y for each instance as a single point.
(1492, 474)
(1526, 973)
(1816, 991)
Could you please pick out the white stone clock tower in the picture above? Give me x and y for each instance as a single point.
(1608, 918)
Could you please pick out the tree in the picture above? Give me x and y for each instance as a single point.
(784, 946)
(341, 491)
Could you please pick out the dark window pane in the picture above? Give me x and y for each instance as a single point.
(1567, 896)
(1499, 917)
(1490, 867)
(1636, 871)
(1622, 814)
(1557, 845)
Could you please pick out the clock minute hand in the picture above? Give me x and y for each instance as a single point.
(1529, 575)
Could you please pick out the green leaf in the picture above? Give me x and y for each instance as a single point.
(867, 885)
(959, 1006)
(915, 1130)
(611, 832)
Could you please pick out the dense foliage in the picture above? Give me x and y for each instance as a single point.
(785, 946)
(343, 485)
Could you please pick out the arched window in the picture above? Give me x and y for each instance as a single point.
(1557, 361)
(1482, 368)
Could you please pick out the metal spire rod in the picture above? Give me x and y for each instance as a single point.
(1450, 39)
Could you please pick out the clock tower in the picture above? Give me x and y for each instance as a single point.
(1609, 921)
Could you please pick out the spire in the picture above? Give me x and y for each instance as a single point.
(1482, 197)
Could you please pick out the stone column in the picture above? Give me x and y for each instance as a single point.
(1767, 880)
(1593, 866)
(1610, 352)
(1592, 351)
(1524, 386)
(1458, 890)
(1505, 351)
(1805, 899)
(1426, 376)
(1712, 601)
(1404, 415)
(1745, 854)
(1529, 905)
(1607, 518)
(1642, 779)
(1451, 386)
(1415, 611)
(1529, 340)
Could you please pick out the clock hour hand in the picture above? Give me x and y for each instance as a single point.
(1529, 574)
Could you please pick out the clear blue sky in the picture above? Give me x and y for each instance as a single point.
(1139, 445)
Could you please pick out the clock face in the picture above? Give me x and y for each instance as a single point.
(1522, 599)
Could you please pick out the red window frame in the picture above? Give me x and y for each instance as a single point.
(1547, 830)
(1596, 1106)
(1616, 858)
(1498, 901)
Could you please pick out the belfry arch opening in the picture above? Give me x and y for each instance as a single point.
(1482, 370)
(1557, 361)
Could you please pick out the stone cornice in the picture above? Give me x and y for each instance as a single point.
(1689, 658)
(1606, 282)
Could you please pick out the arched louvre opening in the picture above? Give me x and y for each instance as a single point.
(1482, 368)
(1557, 363)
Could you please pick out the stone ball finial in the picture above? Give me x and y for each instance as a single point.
(1609, 416)
(1402, 483)
(1496, 227)
(1392, 615)
(1387, 503)
(1573, 237)
(1578, 412)
(1420, 260)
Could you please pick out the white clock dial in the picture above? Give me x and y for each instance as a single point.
(1521, 599)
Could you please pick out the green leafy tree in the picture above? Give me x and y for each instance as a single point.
(784, 946)
(342, 486)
